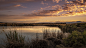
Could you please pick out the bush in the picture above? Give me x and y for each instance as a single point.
(74, 40)
(39, 44)
(84, 37)
(55, 41)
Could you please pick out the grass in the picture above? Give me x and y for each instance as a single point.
(51, 39)
(14, 40)
(71, 27)
(47, 33)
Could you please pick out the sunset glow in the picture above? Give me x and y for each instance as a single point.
(36, 11)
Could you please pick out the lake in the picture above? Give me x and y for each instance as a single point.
(28, 31)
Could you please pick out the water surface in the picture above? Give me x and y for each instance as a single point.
(28, 31)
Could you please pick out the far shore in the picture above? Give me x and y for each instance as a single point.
(32, 24)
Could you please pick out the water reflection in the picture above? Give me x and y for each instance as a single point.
(27, 31)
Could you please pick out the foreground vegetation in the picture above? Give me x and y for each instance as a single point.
(14, 40)
(50, 40)
(76, 39)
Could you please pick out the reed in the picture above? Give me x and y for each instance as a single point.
(14, 40)
(51, 39)
(47, 33)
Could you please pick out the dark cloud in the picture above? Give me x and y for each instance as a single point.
(14, 4)
(11, 7)
(75, 6)
(76, 2)
(44, 13)
(5, 16)
(66, 8)
(2, 2)
(84, 0)
(9, 11)
(13, 1)
(7, 8)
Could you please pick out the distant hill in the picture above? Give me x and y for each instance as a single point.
(75, 22)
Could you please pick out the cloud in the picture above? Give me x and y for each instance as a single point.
(2, 2)
(16, 18)
(17, 5)
(13, 1)
(74, 13)
(66, 1)
(45, 7)
(58, 7)
(42, 12)
(78, 7)
(7, 8)
(45, 0)
(44, 3)
(5, 16)
(11, 7)
(84, 0)
(45, 13)
(57, 1)
(66, 10)
(78, 2)
(72, 8)
(52, 7)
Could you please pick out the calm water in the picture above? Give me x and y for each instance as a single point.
(28, 31)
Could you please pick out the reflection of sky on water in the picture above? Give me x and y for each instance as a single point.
(28, 31)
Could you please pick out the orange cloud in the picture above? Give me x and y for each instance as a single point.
(74, 13)
(73, 8)
(12, 7)
(57, 1)
(70, 9)
(17, 5)
(2, 2)
(44, 3)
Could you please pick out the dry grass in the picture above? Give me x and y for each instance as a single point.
(14, 40)
(50, 40)
(48, 33)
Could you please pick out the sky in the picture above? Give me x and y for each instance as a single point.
(37, 11)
